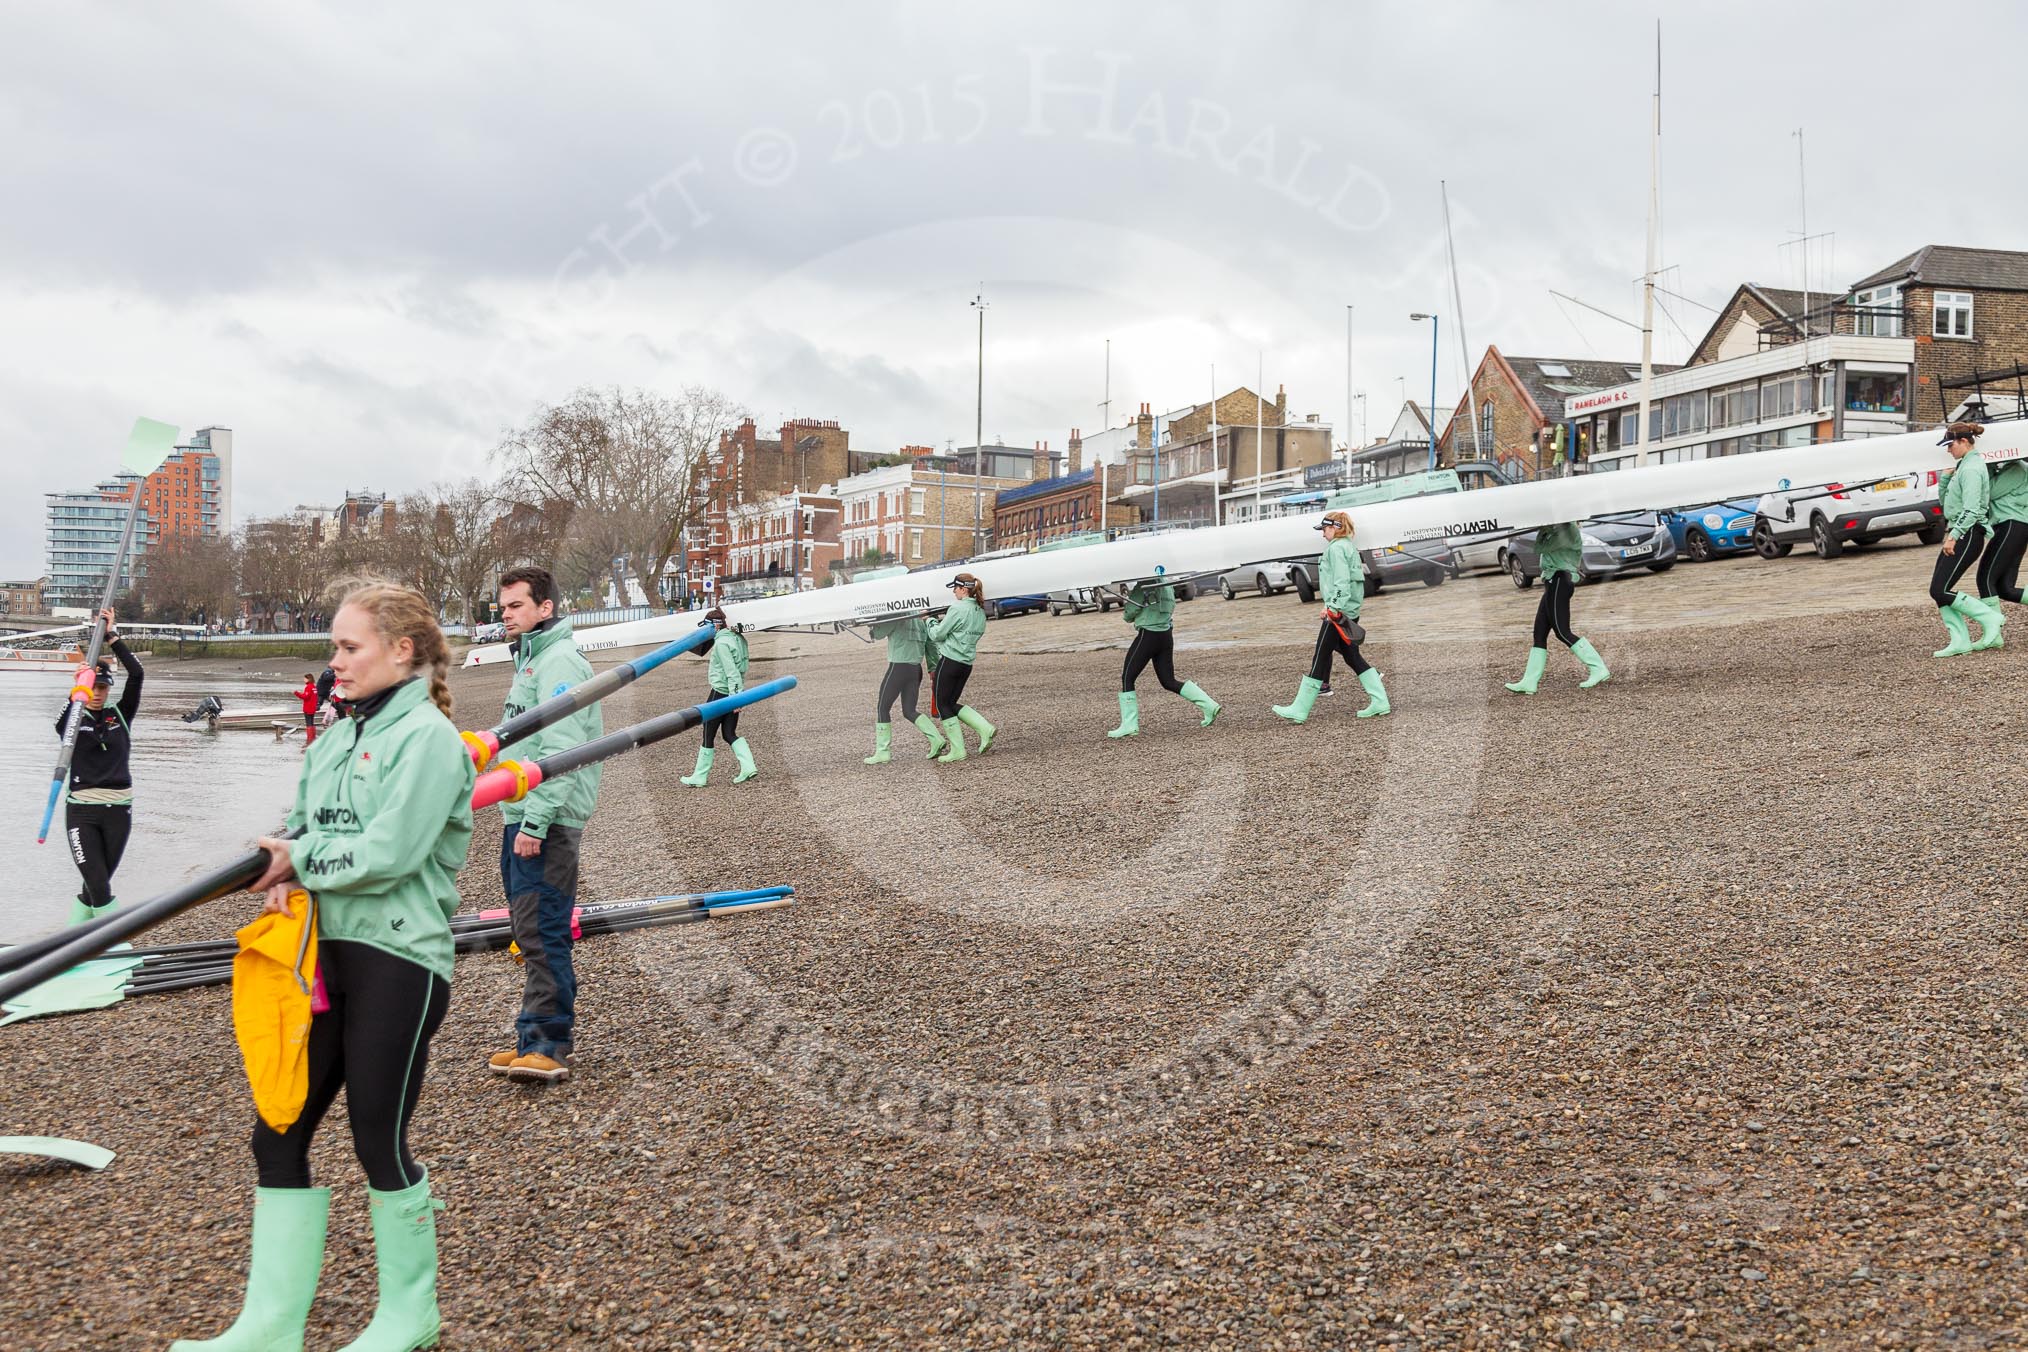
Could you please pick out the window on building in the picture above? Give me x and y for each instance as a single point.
(915, 502)
(1953, 315)
(1485, 446)
(915, 544)
(1555, 370)
(1869, 392)
(1630, 428)
(1876, 312)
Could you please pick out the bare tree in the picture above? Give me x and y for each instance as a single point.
(281, 568)
(191, 580)
(625, 465)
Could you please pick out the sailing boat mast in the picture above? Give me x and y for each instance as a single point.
(1647, 435)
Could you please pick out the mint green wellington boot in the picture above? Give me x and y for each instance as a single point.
(1306, 699)
(1206, 705)
(82, 914)
(1377, 706)
(1594, 665)
(1130, 716)
(695, 779)
(1531, 679)
(976, 721)
(954, 733)
(1961, 633)
(743, 753)
(405, 1257)
(288, 1255)
(1989, 618)
(883, 740)
(928, 727)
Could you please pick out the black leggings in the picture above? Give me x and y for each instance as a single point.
(1151, 645)
(375, 1042)
(1553, 611)
(2000, 566)
(902, 682)
(1330, 641)
(948, 686)
(98, 837)
(1943, 582)
(726, 725)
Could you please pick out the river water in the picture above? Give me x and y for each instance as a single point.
(199, 797)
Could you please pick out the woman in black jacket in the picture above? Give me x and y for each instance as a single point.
(99, 807)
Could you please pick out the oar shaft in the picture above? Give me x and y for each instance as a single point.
(485, 745)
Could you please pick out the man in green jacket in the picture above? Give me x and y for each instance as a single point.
(539, 849)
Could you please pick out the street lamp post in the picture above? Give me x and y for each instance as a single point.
(979, 428)
(1434, 324)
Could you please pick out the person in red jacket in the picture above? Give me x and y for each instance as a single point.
(312, 701)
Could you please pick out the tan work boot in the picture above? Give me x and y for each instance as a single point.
(539, 1068)
(500, 1061)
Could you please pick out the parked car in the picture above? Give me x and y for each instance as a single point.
(1000, 607)
(1080, 599)
(490, 633)
(1832, 517)
(1704, 533)
(1610, 548)
(1269, 579)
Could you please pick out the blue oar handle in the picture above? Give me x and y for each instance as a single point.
(726, 704)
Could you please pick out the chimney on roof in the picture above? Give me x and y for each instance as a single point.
(1076, 451)
(1144, 429)
(1281, 406)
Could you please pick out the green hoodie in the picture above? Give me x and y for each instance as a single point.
(957, 634)
(728, 662)
(1151, 607)
(1560, 549)
(387, 803)
(547, 663)
(1966, 495)
(906, 639)
(2010, 494)
(1342, 578)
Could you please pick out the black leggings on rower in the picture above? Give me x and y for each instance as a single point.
(98, 837)
(1151, 645)
(1553, 611)
(1330, 641)
(2000, 565)
(374, 1042)
(1943, 582)
(949, 685)
(903, 682)
(726, 725)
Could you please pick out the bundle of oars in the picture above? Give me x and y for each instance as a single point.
(176, 967)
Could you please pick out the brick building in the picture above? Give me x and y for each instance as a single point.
(21, 598)
(916, 514)
(1205, 464)
(1966, 309)
(784, 543)
(1518, 400)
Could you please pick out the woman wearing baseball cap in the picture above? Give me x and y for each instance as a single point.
(954, 645)
(1343, 581)
(1967, 497)
(98, 806)
(1560, 548)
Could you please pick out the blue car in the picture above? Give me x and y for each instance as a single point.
(1706, 533)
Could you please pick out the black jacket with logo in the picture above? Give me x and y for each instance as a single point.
(100, 759)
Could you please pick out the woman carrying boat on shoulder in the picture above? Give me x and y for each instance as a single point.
(1560, 550)
(1151, 608)
(1342, 580)
(954, 641)
(907, 644)
(728, 677)
(1967, 495)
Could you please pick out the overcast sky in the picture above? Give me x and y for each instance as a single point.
(369, 238)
